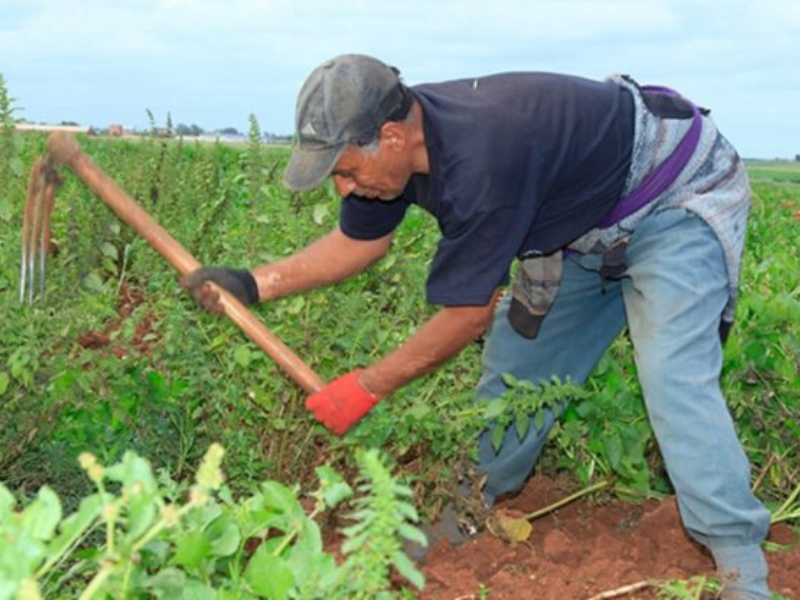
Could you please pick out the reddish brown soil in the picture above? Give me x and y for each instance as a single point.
(130, 299)
(584, 550)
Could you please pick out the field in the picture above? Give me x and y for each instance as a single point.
(115, 359)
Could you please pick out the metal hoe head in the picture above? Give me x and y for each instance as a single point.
(36, 229)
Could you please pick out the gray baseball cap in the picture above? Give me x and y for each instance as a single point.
(345, 100)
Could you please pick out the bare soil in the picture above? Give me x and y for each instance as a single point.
(145, 335)
(583, 550)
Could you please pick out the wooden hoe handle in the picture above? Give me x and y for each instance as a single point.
(64, 150)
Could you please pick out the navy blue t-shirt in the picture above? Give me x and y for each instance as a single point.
(519, 163)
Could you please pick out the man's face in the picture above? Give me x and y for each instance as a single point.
(381, 175)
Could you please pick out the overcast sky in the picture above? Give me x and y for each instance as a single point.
(213, 63)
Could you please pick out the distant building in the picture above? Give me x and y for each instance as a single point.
(115, 130)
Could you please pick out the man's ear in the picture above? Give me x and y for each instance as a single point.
(394, 134)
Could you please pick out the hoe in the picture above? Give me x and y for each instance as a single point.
(63, 149)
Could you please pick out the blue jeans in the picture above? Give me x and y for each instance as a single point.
(671, 297)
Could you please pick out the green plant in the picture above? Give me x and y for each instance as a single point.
(253, 160)
(789, 510)
(384, 517)
(11, 166)
(136, 537)
(694, 588)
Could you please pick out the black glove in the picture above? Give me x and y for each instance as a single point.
(239, 282)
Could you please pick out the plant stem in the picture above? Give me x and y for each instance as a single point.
(127, 579)
(57, 559)
(158, 527)
(97, 581)
(293, 534)
(788, 510)
(564, 501)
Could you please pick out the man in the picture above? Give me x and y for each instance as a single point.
(624, 206)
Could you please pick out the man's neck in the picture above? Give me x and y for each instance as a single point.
(419, 152)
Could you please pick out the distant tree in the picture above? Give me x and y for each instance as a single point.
(193, 130)
(797, 157)
(229, 131)
(70, 124)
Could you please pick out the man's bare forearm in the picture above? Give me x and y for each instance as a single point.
(329, 259)
(439, 339)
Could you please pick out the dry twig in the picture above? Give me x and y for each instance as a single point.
(622, 591)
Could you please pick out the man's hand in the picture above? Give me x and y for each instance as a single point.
(342, 403)
(239, 282)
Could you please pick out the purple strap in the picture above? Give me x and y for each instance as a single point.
(663, 175)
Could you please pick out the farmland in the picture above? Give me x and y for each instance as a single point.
(116, 358)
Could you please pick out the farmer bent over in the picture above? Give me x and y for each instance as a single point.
(623, 205)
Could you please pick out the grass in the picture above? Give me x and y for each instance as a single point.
(774, 170)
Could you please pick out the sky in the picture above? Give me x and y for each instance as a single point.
(213, 63)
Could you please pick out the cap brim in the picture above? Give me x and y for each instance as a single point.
(309, 168)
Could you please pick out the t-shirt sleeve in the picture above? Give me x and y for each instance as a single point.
(473, 259)
(363, 219)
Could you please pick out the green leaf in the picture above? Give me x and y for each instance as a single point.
(140, 488)
(539, 419)
(494, 408)
(93, 282)
(224, 536)
(317, 576)
(281, 499)
(109, 250)
(613, 445)
(306, 545)
(74, 526)
(41, 516)
(414, 534)
(498, 433)
(4, 380)
(522, 423)
(242, 356)
(268, 575)
(174, 584)
(191, 549)
(407, 569)
(333, 487)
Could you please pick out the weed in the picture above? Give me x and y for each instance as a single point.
(141, 535)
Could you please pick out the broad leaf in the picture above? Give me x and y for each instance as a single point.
(268, 575)
(332, 487)
(41, 516)
(192, 548)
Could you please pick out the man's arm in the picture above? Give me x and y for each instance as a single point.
(345, 400)
(329, 259)
(438, 340)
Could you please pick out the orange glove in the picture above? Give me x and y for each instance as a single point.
(342, 403)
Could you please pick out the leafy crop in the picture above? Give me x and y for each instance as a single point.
(140, 535)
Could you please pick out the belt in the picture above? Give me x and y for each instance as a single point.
(662, 176)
